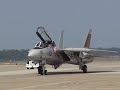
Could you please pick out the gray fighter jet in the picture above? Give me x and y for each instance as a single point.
(46, 52)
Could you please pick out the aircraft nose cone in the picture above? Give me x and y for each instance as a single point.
(34, 54)
(30, 55)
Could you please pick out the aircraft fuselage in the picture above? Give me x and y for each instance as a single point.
(53, 58)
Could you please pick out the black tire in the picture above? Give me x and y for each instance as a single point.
(27, 68)
(40, 70)
(45, 72)
(85, 69)
(41, 73)
(31, 68)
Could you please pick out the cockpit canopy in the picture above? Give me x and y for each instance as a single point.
(44, 34)
(44, 37)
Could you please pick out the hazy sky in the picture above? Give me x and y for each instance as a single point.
(19, 20)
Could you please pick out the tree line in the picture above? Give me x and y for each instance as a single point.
(13, 54)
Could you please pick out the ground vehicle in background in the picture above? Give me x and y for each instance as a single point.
(31, 65)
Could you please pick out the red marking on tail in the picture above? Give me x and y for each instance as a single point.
(88, 39)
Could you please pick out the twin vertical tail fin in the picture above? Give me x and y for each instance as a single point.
(88, 39)
(87, 42)
(61, 40)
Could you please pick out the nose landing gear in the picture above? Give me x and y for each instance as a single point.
(42, 69)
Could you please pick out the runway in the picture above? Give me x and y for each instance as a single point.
(102, 75)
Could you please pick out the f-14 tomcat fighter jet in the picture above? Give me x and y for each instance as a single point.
(46, 52)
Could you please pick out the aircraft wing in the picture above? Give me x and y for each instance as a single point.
(92, 52)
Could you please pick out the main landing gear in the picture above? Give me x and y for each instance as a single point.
(82, 66)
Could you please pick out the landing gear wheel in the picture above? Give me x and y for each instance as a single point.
(31, 68)
(41, 73)
(84, 68)
(45, 72)
(40, 70)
